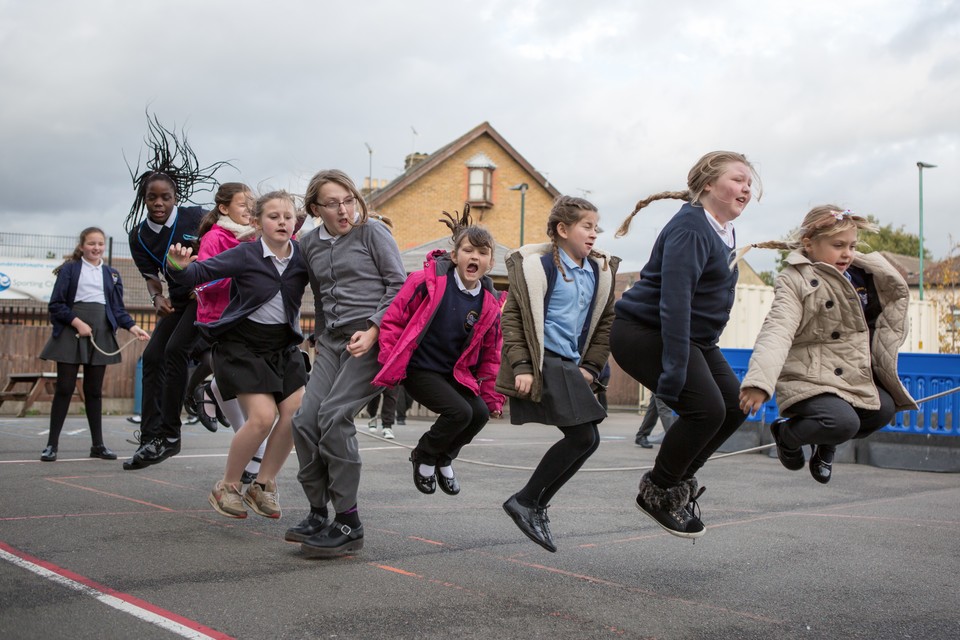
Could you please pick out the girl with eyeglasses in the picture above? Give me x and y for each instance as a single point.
(355, 272)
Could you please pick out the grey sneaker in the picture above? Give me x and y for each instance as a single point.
(388, 433)
(226, 500)
(263, 501)
(372, 425)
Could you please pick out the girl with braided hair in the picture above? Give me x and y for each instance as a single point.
(441, 338)
(172, 176)
(673, 316)
(556, 328)
(829, 344)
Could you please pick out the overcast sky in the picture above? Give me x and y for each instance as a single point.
(833, 101)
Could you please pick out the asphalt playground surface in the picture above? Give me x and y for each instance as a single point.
(88, 550)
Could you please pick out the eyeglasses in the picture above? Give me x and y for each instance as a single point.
(348, 203)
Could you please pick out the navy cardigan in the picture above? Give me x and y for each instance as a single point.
(686, 290)
(254, 282)
(65, 291)
(149, 249)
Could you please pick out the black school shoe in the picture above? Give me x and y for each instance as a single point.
(334, 540)
(790, 458)
(152, 452)
(49, 454)
(531, 522)
(310, 526)
(424, 484)
(101, 451)
(450, 486)
(669, 508)
(821, 463)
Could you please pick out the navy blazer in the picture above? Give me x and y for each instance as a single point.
(65, 291)
(254, 282)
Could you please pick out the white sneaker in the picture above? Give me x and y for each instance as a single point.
(372, 425)
(388, 433)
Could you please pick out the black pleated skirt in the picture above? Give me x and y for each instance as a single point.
(566, 399)
(258, 358)
(70, 349)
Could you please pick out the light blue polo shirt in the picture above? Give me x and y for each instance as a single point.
(568, 308)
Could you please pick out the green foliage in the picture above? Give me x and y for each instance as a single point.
(768, 277)
(893, 240)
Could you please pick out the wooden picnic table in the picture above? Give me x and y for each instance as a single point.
(31, 387)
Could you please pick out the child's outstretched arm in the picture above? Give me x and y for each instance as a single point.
(180, 256)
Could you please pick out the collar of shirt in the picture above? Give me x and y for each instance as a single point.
(323, 234)
(569, 262)
(725, 231)
(267, 253)
(90, 264)
(157, 228)
(474, 292)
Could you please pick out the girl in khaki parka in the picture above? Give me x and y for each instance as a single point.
(829, 345)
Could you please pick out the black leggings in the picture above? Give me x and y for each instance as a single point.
(708, 406)
(462, 415)
(560, 463)
(92, 399)
(165, 364)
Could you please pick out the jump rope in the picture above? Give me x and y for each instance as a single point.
(495, 465)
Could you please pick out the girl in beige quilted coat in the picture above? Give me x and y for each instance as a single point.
(829, 345)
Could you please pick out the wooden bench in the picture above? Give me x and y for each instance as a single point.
(31, 387)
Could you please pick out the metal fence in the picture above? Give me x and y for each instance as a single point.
(44, 247)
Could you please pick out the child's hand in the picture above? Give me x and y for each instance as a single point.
(523, 382)
(83, 329)
(752, 399)
(180, 256)
(142, 335)
(496, 414)
(586, 376)
(363, 341)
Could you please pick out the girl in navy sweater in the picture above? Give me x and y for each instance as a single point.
(86, 307)
(673, 316)
(255, 348)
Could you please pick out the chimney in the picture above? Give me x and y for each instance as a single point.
(413, 160)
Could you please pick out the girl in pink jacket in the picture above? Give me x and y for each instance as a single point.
(441, 338)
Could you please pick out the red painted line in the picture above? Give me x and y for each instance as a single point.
(94, 515)
(441, 583)
(137, 607)
(427, 540)
(109, 494)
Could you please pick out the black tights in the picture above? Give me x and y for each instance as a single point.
(92, 399)
(560, 462)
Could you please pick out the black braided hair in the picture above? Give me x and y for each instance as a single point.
(461, 227)
(173, 161)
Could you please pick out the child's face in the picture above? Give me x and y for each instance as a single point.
(472, 262)
(93, 246)
(729, 195)
(577, 239)
(239, 208)
(277, 221)
(160, 200)
(838, 249)
(336, 209)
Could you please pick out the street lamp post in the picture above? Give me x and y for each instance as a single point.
(522, 188)
(920, 167)
(370, 167)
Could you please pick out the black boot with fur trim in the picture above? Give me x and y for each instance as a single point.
(695, 492)
(668, 508)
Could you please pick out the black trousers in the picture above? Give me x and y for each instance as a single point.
(461, 415)
(165, 363)
(708, 406)
(830, 420)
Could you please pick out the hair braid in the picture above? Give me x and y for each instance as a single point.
(663, 195)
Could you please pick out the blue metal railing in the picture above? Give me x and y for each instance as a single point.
(923, 374)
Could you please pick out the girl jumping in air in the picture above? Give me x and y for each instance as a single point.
(355, 272)
(441, 338)
(556, 326)
(829, 344)
(667, 327)
(255, 348)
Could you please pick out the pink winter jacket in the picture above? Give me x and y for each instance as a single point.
(408, 319)
(212, 297)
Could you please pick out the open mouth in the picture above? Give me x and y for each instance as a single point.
(472, 269)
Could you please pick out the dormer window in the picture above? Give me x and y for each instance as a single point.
(480, 170)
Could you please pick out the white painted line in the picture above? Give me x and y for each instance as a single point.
(119, 601)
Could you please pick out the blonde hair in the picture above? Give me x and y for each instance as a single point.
(823, 220)
(311, 198)
(568, 210)
(704, 173)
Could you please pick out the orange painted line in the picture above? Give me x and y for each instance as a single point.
(109, 494)
(93, 515)
(440, 583)
(428, 541)
(396, 570)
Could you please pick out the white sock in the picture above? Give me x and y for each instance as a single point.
(427, 470)
(447, 471)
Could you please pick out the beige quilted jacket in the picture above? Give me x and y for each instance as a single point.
(815, 339)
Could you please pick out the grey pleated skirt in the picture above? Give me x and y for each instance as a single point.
(566, 399)
(70, 349)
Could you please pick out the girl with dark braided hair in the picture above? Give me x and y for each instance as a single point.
(672, 317)
(441, 338)
(556, 327)
(171, 177)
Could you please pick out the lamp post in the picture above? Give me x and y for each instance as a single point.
(920, 167)
(370, 169)
(522, 188)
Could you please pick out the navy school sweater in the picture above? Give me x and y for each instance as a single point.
(149, 249)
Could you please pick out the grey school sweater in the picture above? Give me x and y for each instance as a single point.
(354, 277)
